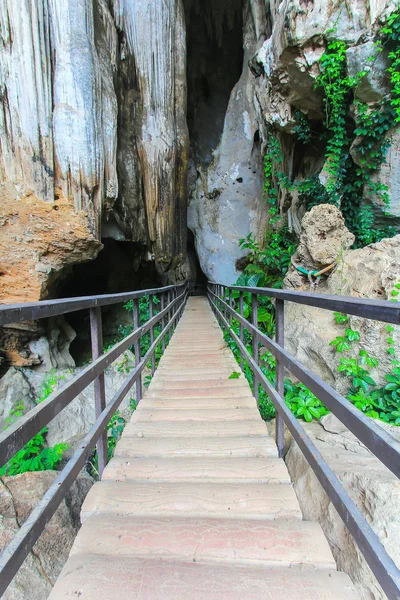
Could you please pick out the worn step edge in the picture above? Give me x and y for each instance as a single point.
(240, 446)
(225, 500)
(254, 427)
(190, 469)
(238, 542)
(183, 415)
(95, 577)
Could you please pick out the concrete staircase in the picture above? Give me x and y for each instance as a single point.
(195, 504)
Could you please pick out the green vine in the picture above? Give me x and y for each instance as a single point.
(356, 146)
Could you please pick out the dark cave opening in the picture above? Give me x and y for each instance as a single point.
(214, 65)
(198, 279)
(119, 267)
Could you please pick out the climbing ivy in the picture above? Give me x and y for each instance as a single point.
(336, 87)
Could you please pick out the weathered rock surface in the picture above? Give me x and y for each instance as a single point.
(324, 237)
(227, 203)
(389, 175)
(374, 489)
(21, 387)
(38, 242)
(369, 272)
(72, 424)
(18, 497)
(59, 66)
(15, 394)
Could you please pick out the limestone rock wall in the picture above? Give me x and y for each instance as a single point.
(285, 69)
(65, 94)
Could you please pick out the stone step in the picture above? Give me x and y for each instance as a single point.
(184, 415)
(231, 385)
(184, 363)
(295, 544)
(240, 446)
(221, 500)
(179, 403)
(97, 577)
(196, 429)
(186, 371)
(207, 392)
(177, 374)
(190, 469)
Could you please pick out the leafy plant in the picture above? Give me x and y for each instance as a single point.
(35, 455)
(234, 375)
(302, 402)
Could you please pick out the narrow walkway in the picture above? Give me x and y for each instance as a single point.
(195, 505)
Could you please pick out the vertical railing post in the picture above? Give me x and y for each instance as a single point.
(280, 374)
(163, 320)
(172, 311)
(231, 305)
(254, 310)
(96, 332)
(151, 314)
(136, 324)
(241, 330)
(168, 315)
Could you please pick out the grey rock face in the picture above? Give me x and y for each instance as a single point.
(371, 486)
(72, 424)
(15, 394)
(226, 203)
(374, 85)
(19, 495)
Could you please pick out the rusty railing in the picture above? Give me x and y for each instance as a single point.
(172, 303)
(384, 446)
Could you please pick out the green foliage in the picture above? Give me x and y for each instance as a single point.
(234, 375)
(268, 264)
(144, 316)
(336, 87)
(35, 455)
(377, 402)
(342, 343)
(302, 402)
(390, 33)
(299, 399)
(303, 128)
(341, 318)
(115, 427)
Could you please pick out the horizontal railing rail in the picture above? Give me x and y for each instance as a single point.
(172, 302)
(379, 310)
(382, 444)
(32, 311)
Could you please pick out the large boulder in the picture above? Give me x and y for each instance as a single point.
(19, 495)
(369, 272)
(374, 489)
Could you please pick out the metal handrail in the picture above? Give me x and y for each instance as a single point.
(31, 311)
(383, 445)
(173, 299)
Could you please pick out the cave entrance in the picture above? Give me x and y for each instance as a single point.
(214, 65)
(198, 279)
(119, 267)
